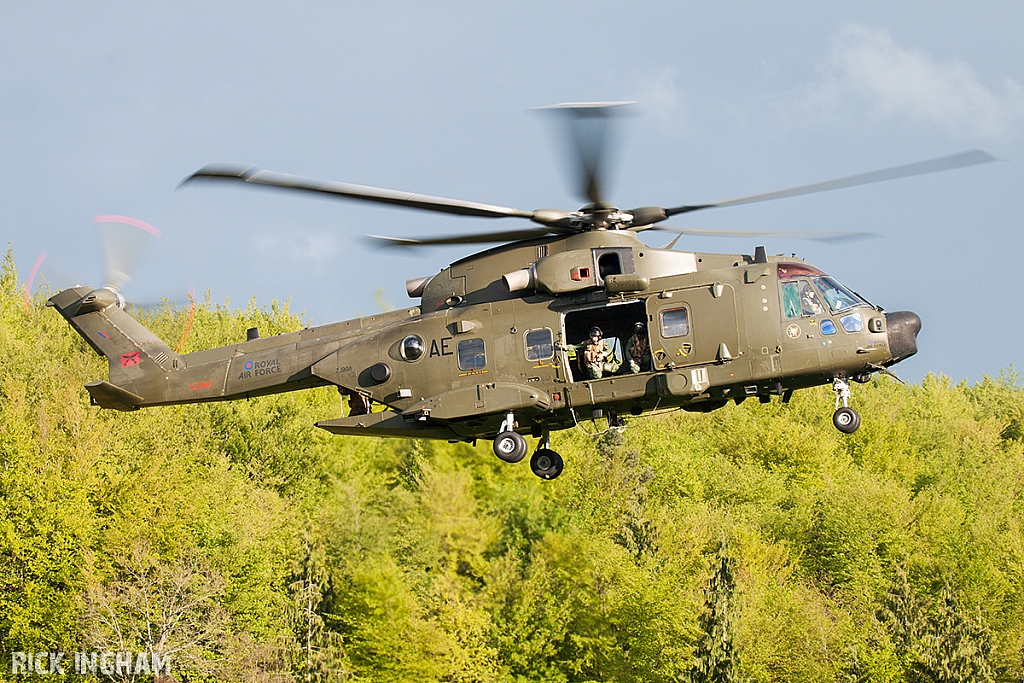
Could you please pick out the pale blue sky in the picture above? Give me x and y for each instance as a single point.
(103, 110)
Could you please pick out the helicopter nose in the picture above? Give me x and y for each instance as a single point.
(902, 328)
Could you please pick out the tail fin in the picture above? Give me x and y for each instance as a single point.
(136, 356)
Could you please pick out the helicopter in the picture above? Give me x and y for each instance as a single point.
(497, 347)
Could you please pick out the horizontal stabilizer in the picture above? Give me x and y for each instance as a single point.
(106, 395)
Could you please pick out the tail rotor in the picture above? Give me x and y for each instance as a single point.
(123, 240)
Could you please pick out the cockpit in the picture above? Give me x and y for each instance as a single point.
(806, 291)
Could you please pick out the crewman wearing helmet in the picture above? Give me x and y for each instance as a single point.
(598, 355)
(638, 349)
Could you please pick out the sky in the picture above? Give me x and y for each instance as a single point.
(106, 107)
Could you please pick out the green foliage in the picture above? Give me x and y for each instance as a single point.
(893, 554)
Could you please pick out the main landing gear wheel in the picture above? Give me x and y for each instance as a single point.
(546, 463)
(846, 420)
(510, 446)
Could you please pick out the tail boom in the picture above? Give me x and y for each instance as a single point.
(144, 371)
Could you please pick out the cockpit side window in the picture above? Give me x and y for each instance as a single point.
(799, 299)
(790, 300)
(837, 297)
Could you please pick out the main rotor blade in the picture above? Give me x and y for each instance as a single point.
(255, 176)
(475, 238)
(588, 124)
(813, 235)
(969, 158)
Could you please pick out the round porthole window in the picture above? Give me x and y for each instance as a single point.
(412, 347)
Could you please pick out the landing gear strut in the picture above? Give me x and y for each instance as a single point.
(509, 445)
(845, 418)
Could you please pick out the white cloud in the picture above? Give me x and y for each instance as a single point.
(866, 68)
(300, 245)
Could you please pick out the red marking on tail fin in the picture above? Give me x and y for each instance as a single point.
(130, 359)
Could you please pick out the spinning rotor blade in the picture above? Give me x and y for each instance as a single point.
(474, 238)
(255, 176)
(122, 240)
(813, 235)
(969, 158)
(588, 124)
(30, 280)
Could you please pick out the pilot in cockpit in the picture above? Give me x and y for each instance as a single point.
(810, 304)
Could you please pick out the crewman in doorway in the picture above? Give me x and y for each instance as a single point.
(599, 355)
(638, 349)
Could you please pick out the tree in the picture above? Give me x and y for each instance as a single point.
(319, 655)
(956, 648)
(159, 607)
(716, 650)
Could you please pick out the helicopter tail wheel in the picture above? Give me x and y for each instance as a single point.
(510, 446)
(546, 463)
(846, 420)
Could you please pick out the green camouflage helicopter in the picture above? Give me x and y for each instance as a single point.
(497, 347)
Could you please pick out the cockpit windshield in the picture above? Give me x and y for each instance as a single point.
(838, 297)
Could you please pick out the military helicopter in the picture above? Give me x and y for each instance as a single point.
(497, 347)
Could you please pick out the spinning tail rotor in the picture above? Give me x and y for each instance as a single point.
(122, 242)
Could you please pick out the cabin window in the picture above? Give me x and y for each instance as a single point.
(471, 354)
(539, 345)
(675, 322)
(827, 326)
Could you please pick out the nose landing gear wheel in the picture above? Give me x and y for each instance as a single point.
(846, 420)
(546, 463)
(510, 446)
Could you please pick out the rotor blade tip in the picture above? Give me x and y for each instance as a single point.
(229, 171)
(382, 242)
(991, 156)
(585, 105)
(127, 220)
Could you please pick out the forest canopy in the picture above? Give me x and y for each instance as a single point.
(753, 543)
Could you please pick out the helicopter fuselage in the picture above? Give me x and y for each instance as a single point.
(491, 344)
